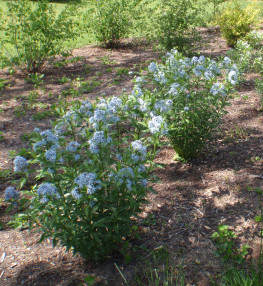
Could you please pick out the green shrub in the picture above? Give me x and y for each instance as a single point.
(225, 244)
(37, 33)
(175, 24)
(112, 20)
(216, 5)
(236, 22)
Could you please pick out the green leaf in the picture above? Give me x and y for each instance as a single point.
(90, 280)
(22, 182)
(42, 238)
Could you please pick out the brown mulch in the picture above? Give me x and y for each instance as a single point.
(191, 199)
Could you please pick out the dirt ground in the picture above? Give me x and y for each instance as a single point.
(191, 200)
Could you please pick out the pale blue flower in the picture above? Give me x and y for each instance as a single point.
(44, 200)
(71, 116)
(119, 157)
(227, 61)
(232, 77)
(75, 194)
(214, 68)
(144, 183)
(194, 60)
(182, 73)
(20, 164)
(201, 59)
(208, 74)
(143, 105)
(51, 155)
(114, 104)
(218, 88)
(139, 80)
(126, 172)
(174, 88)
(129, 184)
(98, 138)
(114, 119)
(86, 108)
(160, 77)
(76, 157)
(99, 116)
(141, 169)
(157, 124)
(88, 180)
(102, 104)
(49, 136)
(198, 70)
(137, 92)
(11, 193)
(47, 190)
(169, 102)
(152, 67)
(186, 108)
(161, 106)
(73, 146)
(85, 178)
(135, 157)
(138, 146)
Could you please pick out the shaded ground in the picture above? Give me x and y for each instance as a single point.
(190, 202)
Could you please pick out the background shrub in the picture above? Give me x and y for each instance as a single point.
(112, 20)
(37, 33)
(175, 23)
(236, 21)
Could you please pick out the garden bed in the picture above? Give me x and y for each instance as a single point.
(191, 199)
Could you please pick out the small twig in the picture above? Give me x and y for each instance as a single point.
(121, 274)
(256, 176)
(198, 211)
(2, 258)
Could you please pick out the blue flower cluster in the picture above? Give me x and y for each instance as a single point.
(11, 194)
(46, 191)
(89, 181)
(20, 164)
(157, 125)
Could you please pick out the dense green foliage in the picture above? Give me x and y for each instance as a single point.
(112, 20)
(236, 21)
(175, 24)
(37, 33)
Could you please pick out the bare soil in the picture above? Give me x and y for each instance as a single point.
(191, 200)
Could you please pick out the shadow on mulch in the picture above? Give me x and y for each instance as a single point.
(44, 274)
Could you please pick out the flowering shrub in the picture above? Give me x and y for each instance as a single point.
(190, 94)
(94, 167)
(247, 53)
(243, 55)
(254, 38)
